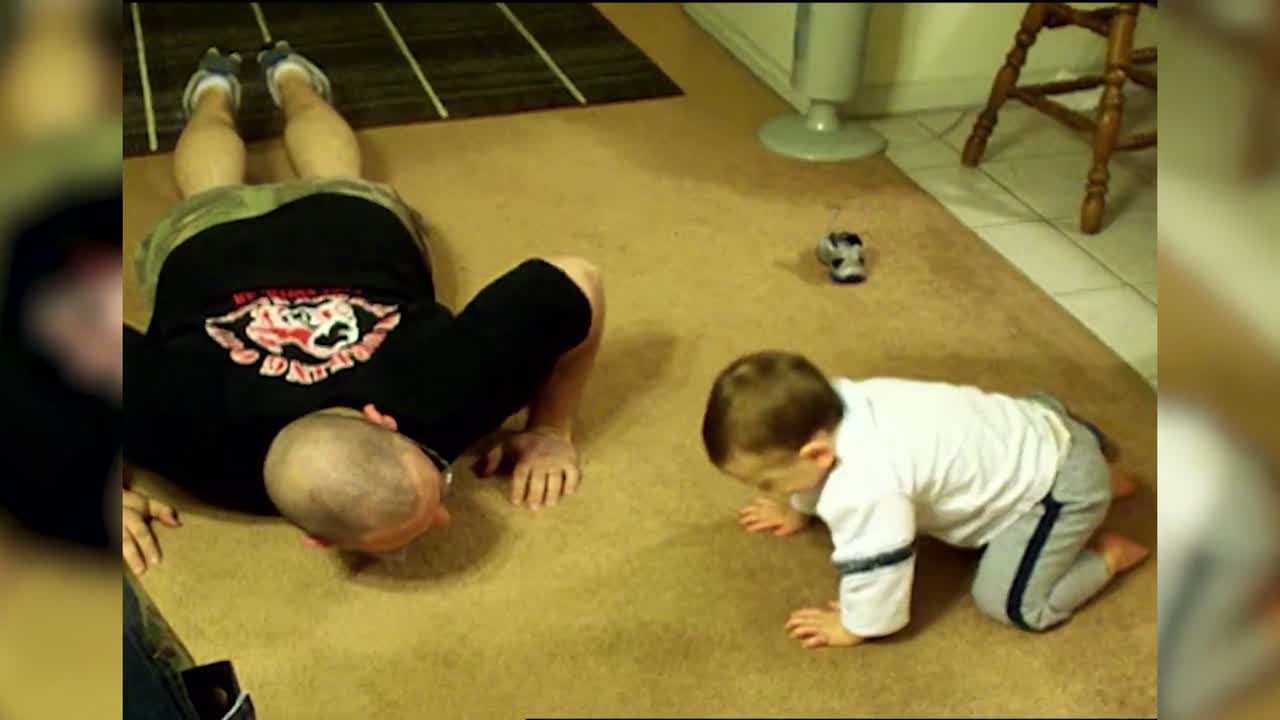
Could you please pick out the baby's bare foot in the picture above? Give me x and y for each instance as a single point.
(1119, 552)
(1123, 482)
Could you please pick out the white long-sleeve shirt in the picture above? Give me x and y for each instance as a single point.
(953, 462)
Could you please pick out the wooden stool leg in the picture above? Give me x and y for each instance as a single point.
(1119, 45)
(1006, 80)
(1262, 150)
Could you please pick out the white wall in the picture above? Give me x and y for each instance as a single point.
(919, 56)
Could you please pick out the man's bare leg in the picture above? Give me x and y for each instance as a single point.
(319, 142)
(210, 153)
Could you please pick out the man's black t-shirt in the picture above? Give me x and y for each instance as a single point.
(60, 442)
(325, 302)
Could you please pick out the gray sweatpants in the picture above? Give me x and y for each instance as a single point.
(1216, 574)
(1034, 574)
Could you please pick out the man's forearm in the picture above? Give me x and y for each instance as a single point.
(555, 407)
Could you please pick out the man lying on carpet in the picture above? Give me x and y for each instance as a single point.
(60, 272)
(882, 459)
(297, 360)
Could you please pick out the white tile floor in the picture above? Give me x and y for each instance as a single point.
(1025, 199)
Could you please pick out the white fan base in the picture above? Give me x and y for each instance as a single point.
(820, 136)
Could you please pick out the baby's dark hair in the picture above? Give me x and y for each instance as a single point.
(769, 400)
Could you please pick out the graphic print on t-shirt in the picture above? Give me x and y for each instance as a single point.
(302, 336)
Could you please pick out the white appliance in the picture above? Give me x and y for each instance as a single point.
(830, 40)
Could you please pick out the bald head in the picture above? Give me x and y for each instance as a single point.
(340, 478)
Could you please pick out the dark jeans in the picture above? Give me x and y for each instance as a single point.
(161, 682)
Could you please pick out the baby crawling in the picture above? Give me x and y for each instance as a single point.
(883, 460)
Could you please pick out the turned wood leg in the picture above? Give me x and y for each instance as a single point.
(1262, 150)
(1119, 46)
(1006, 80)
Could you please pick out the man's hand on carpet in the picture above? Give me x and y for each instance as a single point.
(544, 466)
(817, 628)
(765, 514)
(139, 545)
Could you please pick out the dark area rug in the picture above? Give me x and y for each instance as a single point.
(473, 56)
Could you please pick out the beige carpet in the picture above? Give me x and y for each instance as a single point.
(640, 596)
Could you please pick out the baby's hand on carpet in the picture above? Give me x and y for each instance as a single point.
(545, 466)
(816, 628)
(766, 513)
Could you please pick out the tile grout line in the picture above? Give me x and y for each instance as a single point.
(262, 21)
(1120, 282)
(1034, 212)
(942, 135)
(413, 62)
(1098, 334)
(1039, 217)
(1124, 285)
(1057, 297)
(1123, 280)
(555, 68)
(147, 103)
(920, 123)
(1156, 303)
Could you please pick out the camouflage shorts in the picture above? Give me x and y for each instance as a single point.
(38, 176)
(242, 202)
